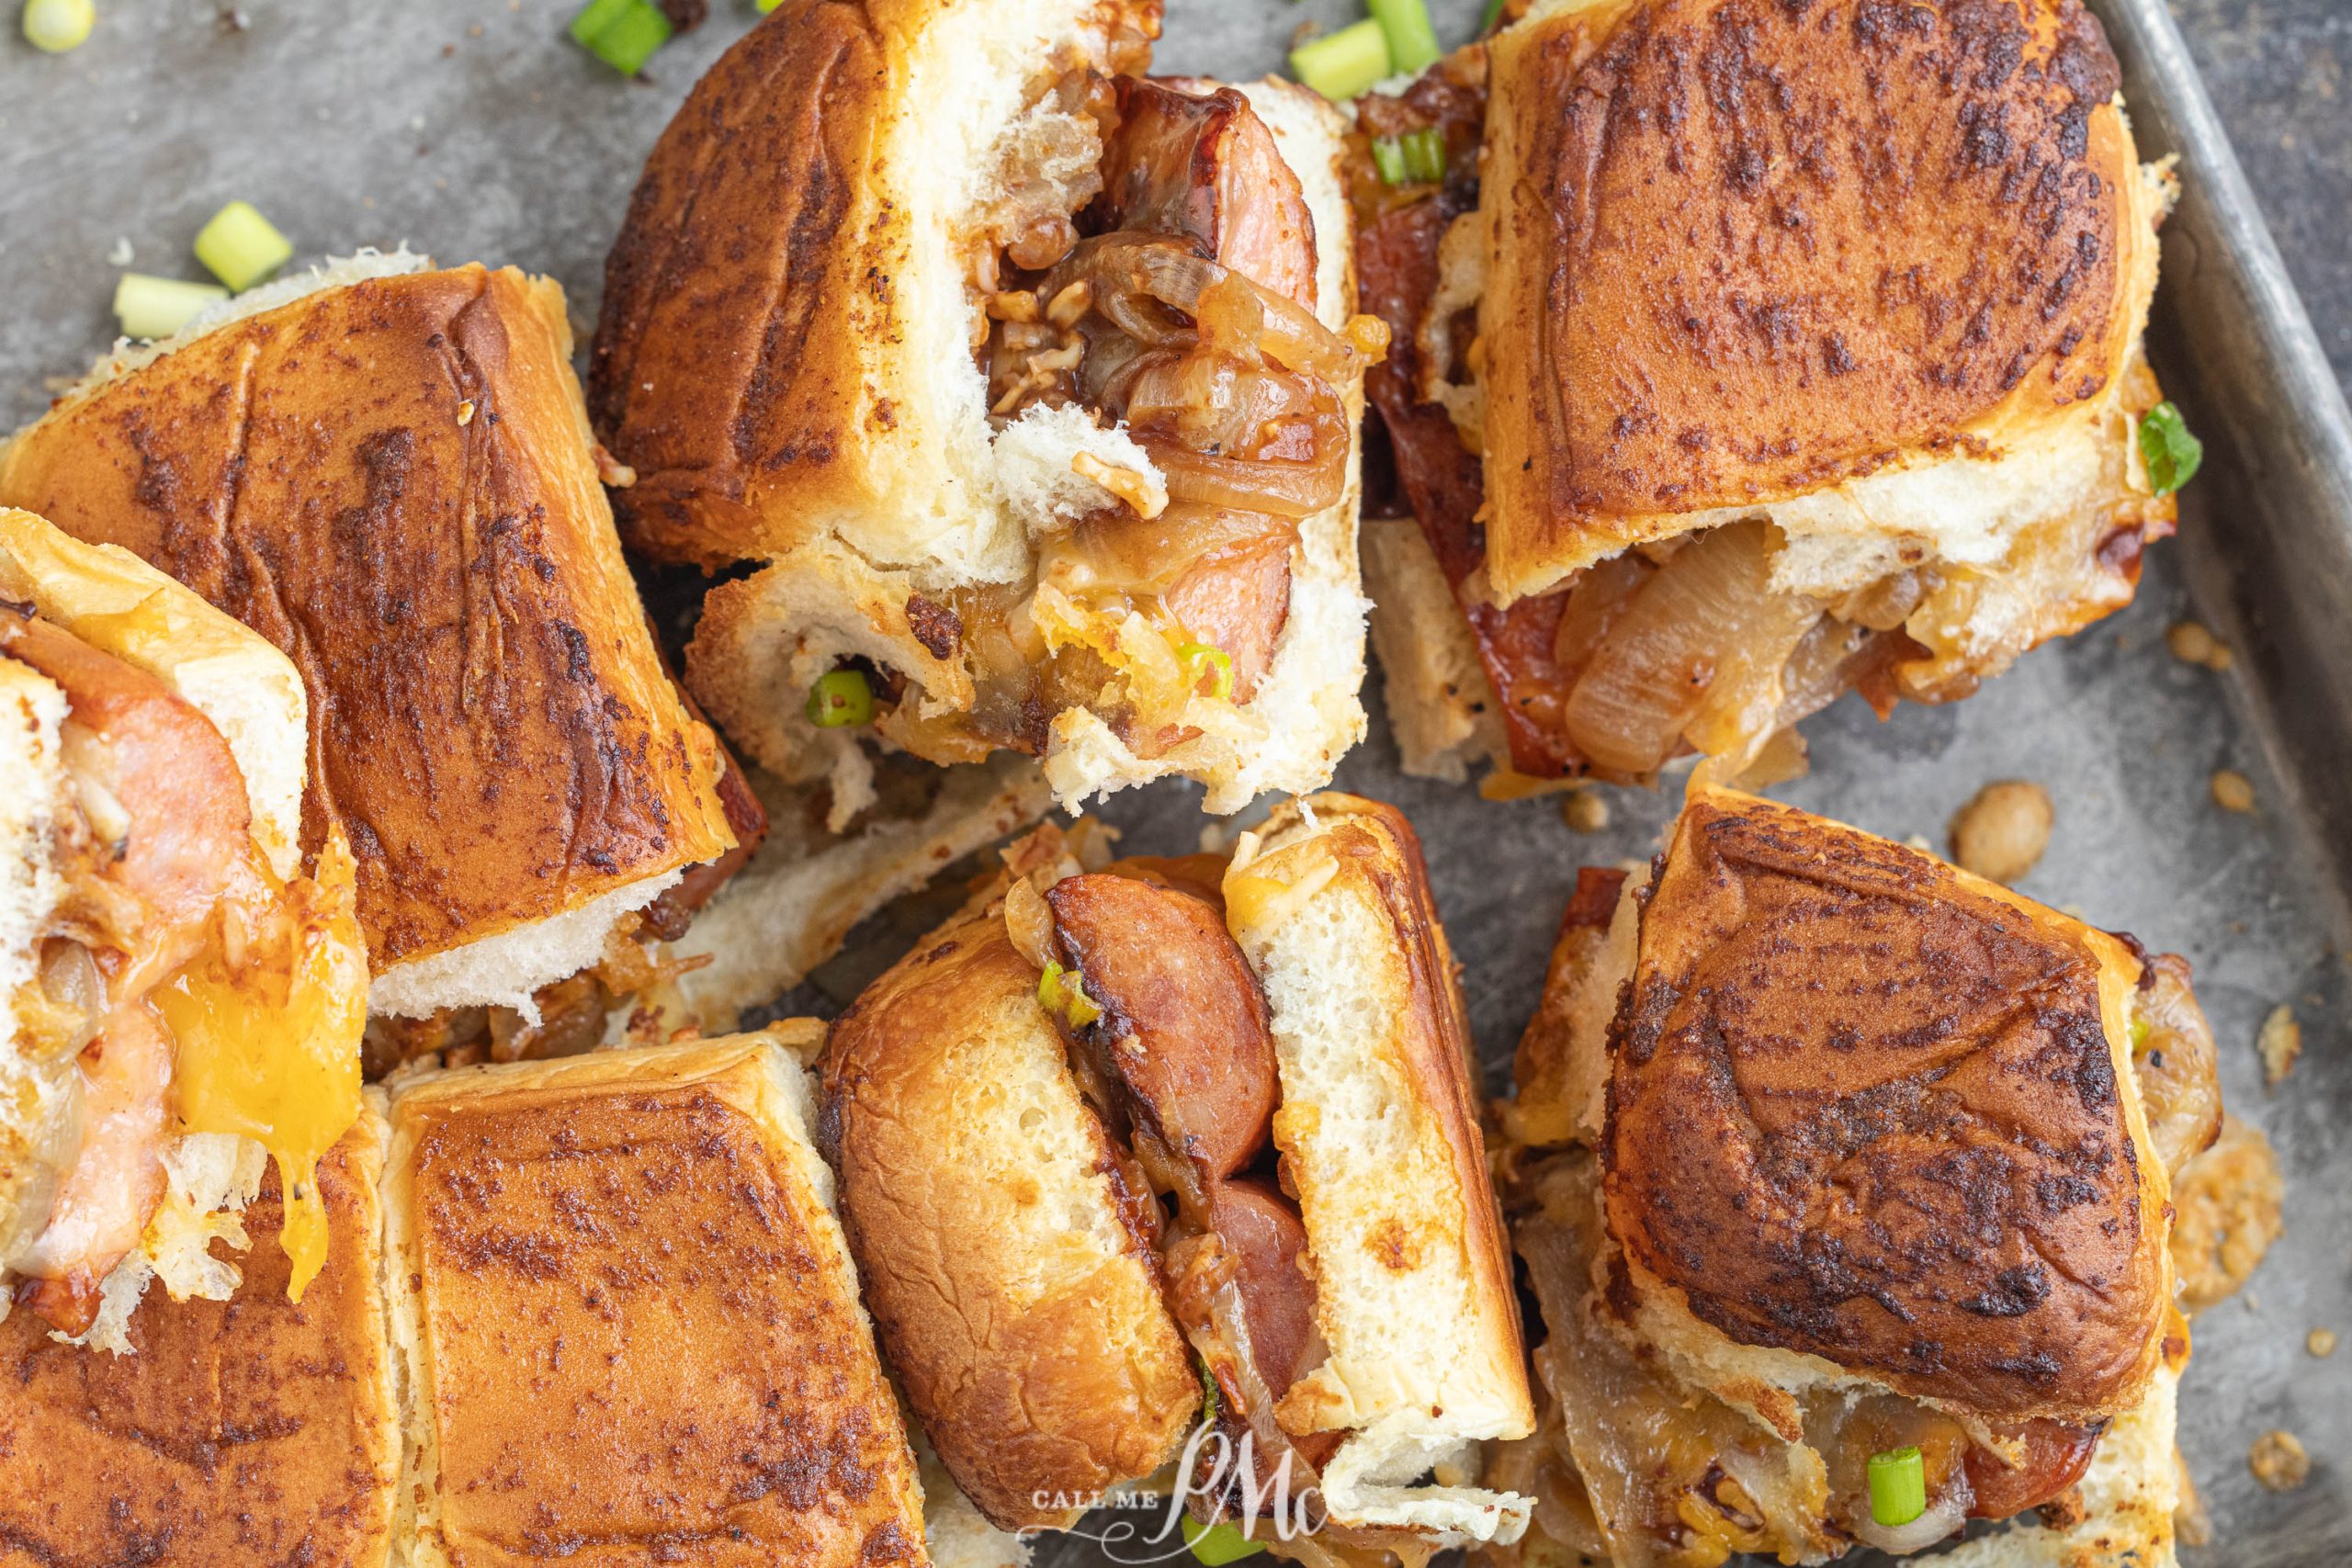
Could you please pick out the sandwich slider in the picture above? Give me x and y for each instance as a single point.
(1748, 357)
(387, 471)
(1172, 1153)
(252, 1430)
(626, 1324)
(1843, 1178)
(1026, 384)
(181, 993)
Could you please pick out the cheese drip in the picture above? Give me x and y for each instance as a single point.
(266, 1031)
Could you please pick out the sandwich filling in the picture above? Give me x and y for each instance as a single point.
(1151, 269)
(1711, 590)
(1969, 1280)
(177, 986)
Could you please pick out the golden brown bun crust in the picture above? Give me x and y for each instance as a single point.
(749, 278)
(1748, 250)
(489, 720)
(638, 1340)
(1069, 1388)
(250, 1431)
(1867, 1108)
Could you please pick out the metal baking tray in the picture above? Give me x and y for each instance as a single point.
(471, 129)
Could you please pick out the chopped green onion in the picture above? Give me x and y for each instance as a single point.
(1209, 1398)
(2141, 1029)
(1340, 65)
(1218, 1544)
(840, 699)
(55, 26)
(767, 5)
(622, 33)
(1412, 42)
(241, 247)
(1425, 154)
(1200, 660)
(1388, 157)
(2173, 454)
(1494, 14)
(1898, 1487)
(158, 307)
(1063, 992)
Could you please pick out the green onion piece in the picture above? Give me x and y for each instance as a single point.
(1063, 992)
(2141, 1029)
(1412, 42)
(1214, 1545)
(1209, 1396)
(1898, 1487)
(158, 307)
(241, 247)
(1340, 65)
(55, 26)
(1200, 659)
(1494, 14)
(594, 18)
(1425, 154)
(841, 698)
(622, 33)
(2174, 455)
(1388, 157)
(767, 5)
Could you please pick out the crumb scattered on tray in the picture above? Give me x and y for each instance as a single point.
(2226, 1206)
(2192, 643)
(2321, 1342)
(2280, 1041)
(2278, 1462)
(2233, 791)
(2002, 832)
(1584, 811)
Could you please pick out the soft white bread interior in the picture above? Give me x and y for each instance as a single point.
(35, 1119)
(572, 1370)
(1379, 1131)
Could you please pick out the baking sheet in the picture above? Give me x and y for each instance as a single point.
(474, 130)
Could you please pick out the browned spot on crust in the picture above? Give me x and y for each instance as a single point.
(1398, 1252)
(1861, 1110)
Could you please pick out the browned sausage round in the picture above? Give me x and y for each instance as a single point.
(1183, 1024)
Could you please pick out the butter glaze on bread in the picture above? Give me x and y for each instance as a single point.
(252, 1430)
(394, 481)
(627, 1322)
(1924, 1164)
(1745, 252)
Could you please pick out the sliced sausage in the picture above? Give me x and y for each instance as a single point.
(1184, 1026)
(2055, 1457)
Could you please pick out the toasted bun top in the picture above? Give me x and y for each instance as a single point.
(1738, 253)
(630, 1324)
(393, 482)
(1870, 1109)
(153, 1455)
(125, 608)
(1006, 1254)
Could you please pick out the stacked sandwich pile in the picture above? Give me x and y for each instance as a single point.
(382, 909)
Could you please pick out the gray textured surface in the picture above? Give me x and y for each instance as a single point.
(471, 128)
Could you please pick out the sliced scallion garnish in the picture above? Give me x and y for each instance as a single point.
(1898, 1487)
(1200, 659)
(1388, 157)
(158, 307)
(841, 698)
(1412, 42)
(1340, 65)
(1425, 154)
(1062, 992)
(241, 247)
(1494, 14)
(622, 33)
(1218, 1544)
(2174, 455)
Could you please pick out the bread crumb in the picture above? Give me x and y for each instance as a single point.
(2278, 1462)
(2190, 643)
(2000, 834)
(2321, 1342)
(2233, 791)
(2226, 1213)
(2280, 1041)
(1583, 811)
